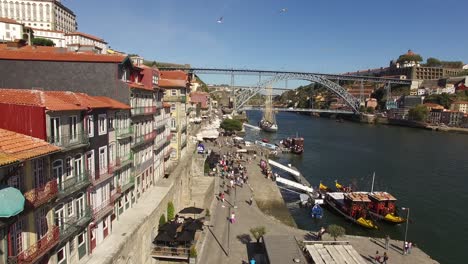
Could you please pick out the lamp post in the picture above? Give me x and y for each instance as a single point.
(406, 229)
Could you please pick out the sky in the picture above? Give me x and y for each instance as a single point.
(328, 36)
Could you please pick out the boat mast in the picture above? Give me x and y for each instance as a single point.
(269, 115)
(373, 178)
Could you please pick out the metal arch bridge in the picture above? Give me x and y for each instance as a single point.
(310, 110)
(241, 97)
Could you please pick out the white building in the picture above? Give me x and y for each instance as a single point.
(10, 29)
(58, 37)
(84, 42)
(43, 14)
(465, 67)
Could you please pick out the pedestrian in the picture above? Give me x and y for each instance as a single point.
(377, 257)
(252, 261)
(410, 246)
(387, 242)
(385, 258)
(251, 200)
(233, 218)
(405, 250)
(231, 183)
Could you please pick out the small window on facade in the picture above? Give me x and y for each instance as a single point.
(102, 124)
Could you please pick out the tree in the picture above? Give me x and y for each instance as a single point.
(362, 109)
(193, 252)
(370, 110)
(418, 113)
(443, 99)
(42, 42)
(409, 57)
(258, 232)
(231, 125)
(170, 211)
(162, 220)
(336, 231)
(433, 62)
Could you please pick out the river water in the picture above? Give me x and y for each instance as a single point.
(426, 171)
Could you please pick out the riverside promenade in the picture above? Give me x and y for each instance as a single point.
(233, 243)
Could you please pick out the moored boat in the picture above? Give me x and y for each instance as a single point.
(268, 126)
(353, 206)
(383, 206)
(295, 145)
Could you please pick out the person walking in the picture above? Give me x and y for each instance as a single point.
(410, 246)
(251, 200)
(405, 250)
(377, 257)
(233, 218)
(385, 258)
(387, 242)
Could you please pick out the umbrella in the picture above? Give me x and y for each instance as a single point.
(163, 237)
(194, 225)
(186, 236)
(191, 210)
(11, 202)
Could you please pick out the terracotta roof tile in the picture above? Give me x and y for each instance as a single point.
(41, 55)
(460, 102)
(139, 86)
(86, 36)
(8, 20)
(114, 103)
(79, 99)
(174, 75)
(166, 105)
(16, 147)
(35, 98)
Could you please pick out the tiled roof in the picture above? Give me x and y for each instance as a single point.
(460, 102)
(114, 103)
(139, 86)
(8, 20)
(174, 75)
(86, 36)
(79, 99)
(166, 105)
(36, 98)
(172, 79)
(40, 55)
(16, 147)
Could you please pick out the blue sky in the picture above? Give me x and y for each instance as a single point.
(329, 36)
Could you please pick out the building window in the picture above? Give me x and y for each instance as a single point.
(102, 124)
(57, 171)
(38, 172)
(173, 107)
(70, 209)
(111, 153)
(41, 221)
(90, 162)
(16, 231)
(111, 122)
(173, 92)
(61, 256)
(55, 130)
(78, 165)
(90, 125)
(80, 205)
(73, 128)
(68, 167)
(103, 160)
(59, 215)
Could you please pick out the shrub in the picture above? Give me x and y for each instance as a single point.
(336, 231)
(170, 211)
(193, 252)
(258, 232)
(42, 42)
(231, 125)
(162, 220)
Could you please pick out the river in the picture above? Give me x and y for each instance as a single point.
(427, 171)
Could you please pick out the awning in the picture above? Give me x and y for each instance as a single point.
(11, 202)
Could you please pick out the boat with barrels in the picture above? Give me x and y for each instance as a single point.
(354, 206)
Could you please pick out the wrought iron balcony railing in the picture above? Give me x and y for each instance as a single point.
(124, 132)
(73, 224)
(128, 185)
(143, 110)
(38, 249)
(69, 141)
(139, 140)
(103, 209)
(73, 184)
(41, 195)
(141, 167)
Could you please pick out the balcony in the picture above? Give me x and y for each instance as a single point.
(158, 124)
(175, 99)
(140, 140)
(73, 184)
(68, 142)
(174, 128)
(116, 194)
(141, 167)
(99, 178)
(38, 249)
(75, 224)
(103, 209)
(143, 110)
(159, 104)
(120, 163)
(128, 185)
(39, 196)
(124, 132)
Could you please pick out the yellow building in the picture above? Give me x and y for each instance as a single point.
(175, 84)
(28, 231)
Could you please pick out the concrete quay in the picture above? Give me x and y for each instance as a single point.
(233, 243)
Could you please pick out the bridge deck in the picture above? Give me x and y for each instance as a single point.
(331, 111)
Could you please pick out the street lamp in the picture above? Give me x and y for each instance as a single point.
(406, 229)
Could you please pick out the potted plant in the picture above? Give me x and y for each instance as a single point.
(193, 255)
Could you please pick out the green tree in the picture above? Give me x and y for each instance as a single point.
(193, 252)
(258, 232)
(433, 62)
(162, 220)
(370, 110)
(443, 99)
(170, 211)
(42, 42)
(406, 57)
(362, 109)
(418, 113)
(336, 231)
(231, 125)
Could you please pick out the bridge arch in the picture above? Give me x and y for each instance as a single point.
(244, 96)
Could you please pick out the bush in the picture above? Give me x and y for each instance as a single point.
(162, 220)
(207, 167)
(193, 252)
(42, 42)
(258, 232)
(231, 125)
(170, 211)
(336, 231)
(207, 212)
(418, 113)
(370, 110)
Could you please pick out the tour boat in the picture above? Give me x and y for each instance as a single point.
(296, 144)
(341, 188)
(383, 207)
(353, 206)
(317, 212)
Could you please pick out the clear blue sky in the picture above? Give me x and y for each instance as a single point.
(330, 36)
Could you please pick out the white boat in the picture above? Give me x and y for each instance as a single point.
(268, 122)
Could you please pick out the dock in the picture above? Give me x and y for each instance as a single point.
(293, 171)
(251, 126)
